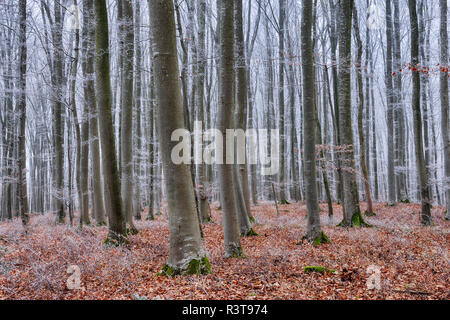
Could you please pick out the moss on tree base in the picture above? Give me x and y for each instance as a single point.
(321, 240)
(284, 202)
(195, 267)
(234, 251)
(251, 233)
(357, 221)
(252, 219)
(318, 269)
(317, 241)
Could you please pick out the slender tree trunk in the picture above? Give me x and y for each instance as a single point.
(225, 118)
(203, 201)
(126, 139)
(137, 118)
(444, 103)
(362, 142)
(400, 138)
(314, 231)
(352, 212)
(241, 120)
(57, 111)
(281, 72)
(417, 117)
(22, 111)
(90, 124)
(390, 106)
(113, 200)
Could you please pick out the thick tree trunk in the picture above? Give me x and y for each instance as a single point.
(111, 178)
(186, 254)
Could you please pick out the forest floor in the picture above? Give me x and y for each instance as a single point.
(413, 260)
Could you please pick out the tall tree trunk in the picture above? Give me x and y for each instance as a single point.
(390, 106)
(203, 201)
(225, 118)
(417, 117)
(82, 149)
(314, 231)
(334, 71)
(444, 102)
(186, 255)
(399, 112)
(362, 142)
(352, 212)
(281, 71)
(113, 199)
(90, 143)
(58, 56)
(22, 111)
(126, 136)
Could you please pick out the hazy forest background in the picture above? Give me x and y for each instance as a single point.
(92, 205)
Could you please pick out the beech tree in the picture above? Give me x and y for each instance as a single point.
(314, 231)
(186, 255)
(417, 116)
(444, 102)
(113, 200)
(225, 117)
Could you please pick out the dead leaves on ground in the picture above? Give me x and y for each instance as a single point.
(413, 260)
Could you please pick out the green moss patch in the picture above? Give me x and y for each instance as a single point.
(357, 221)
(195, 267)
(318, 269)
(251, 233)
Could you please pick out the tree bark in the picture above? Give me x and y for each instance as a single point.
(225, 118)
(126, 139)
(417, 117)
(444, 103)
(362, 143)
(390, 107)
(111, 178)
(352, 211)
(314, 231)
(22, 111)
(186, 255)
